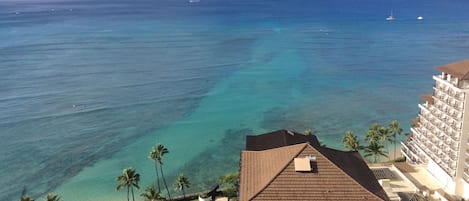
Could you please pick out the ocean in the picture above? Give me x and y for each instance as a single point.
(87, 88)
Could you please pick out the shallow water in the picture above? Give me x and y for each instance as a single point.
(86, 89)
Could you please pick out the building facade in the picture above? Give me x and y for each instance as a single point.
(439, 135)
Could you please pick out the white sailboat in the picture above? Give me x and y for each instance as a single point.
(390, 18)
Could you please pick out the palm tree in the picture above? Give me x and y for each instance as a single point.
(151, 194)
(395, 128)
(26, 198)
(385, 137)
(182, 183)
(129, 179)
(308, 131)
(351, 142)
(376, 150)
(373, 133)
(154, 156)
(160, 152)
(230, 183)
(52, 197)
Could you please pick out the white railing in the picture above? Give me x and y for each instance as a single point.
(446, 86)
(445, 105)
(436, 127)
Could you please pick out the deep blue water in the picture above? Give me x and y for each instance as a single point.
(87, 87)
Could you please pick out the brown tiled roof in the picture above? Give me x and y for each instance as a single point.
(270, 175)
(428, 98)
(350, 162)
(355, 166)
(415, 122)
(459, 69)
(261, 167)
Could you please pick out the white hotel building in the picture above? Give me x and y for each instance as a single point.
(440, 134)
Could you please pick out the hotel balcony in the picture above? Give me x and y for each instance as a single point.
(437, 126)
(448, 167)
(456, 94)
(434, 127)
(444, 104)
(412, 152)
(435, 147)
(447, 81)
(442, 116)
(449, 99)
(449, 164)
(420, 132)
(449, 87)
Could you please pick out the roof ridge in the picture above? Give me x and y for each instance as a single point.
(353, 179)
(281, 170)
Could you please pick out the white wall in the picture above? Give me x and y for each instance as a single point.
(442, 177)
(465, 194)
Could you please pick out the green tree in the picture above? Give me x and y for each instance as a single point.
(151, 194)
(308, 131)
(129, 179)
(230, 182)
(373, 133)
(26, 198)
(351, 142)
(376, 150)
(52, 197)
(160, 152)
(385, 136)
(182, 182)
(395, 129)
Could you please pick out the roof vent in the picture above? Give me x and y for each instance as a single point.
(302, 165)
(291, 133)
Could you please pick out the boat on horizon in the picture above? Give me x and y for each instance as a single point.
(390, 17)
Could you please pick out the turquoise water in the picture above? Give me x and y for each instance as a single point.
(87, 88)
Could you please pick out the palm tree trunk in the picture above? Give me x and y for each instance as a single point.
(387, 148)
(133, 198)
(395, 146)
(164, 181)
(157, 177)
(183, 193)
(128, 193)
